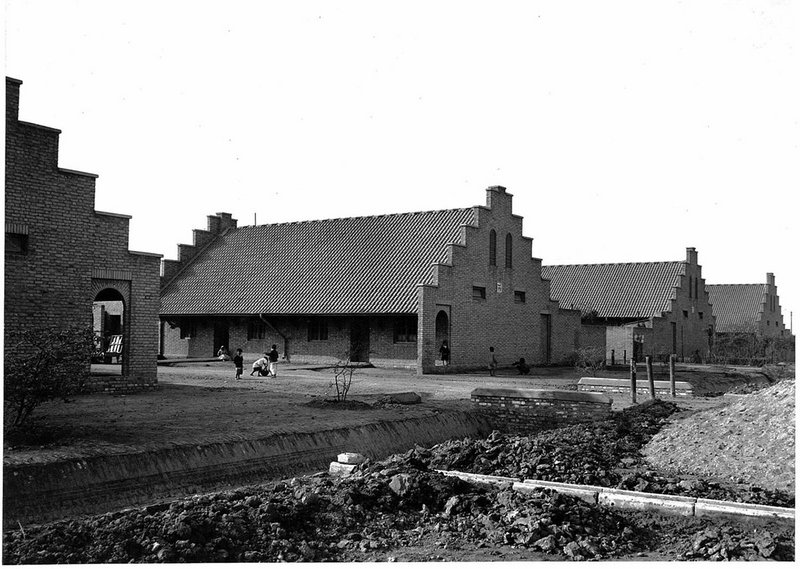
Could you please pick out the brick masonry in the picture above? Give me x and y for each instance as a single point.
(73, 251)
(529, 410)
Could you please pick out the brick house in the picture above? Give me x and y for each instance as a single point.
(750, 308)
(387, 289)
(63, 258)
(638, 309)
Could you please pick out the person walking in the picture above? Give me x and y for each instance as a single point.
(273, 361)
(492, 361)
(238, 362)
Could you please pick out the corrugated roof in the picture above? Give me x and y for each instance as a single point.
(334, 266)
(616, 290)
(737, 306)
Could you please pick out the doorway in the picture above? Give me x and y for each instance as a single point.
(221, 337)
(108, 323)
(359, 340)
(547, 338)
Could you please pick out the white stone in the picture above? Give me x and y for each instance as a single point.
(351, 458)
(339, 469)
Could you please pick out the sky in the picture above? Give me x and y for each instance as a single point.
(625, 130)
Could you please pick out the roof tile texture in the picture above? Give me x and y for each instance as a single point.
(737, 306)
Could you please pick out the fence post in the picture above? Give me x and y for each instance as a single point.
(612, 357)
(649, 363)
(672, 375)
(633, 381)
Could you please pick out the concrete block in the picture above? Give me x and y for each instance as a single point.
(351, 458)
(586, 493)
(482, 478)
(339, 469)
(631, 500)
(718, 508)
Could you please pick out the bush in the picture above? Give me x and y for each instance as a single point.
(590, 360)
(43, 364)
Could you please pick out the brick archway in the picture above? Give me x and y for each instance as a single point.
(111, 291)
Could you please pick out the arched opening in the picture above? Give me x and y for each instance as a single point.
(108, 323)
(442, 331)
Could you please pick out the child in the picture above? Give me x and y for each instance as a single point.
(238, 362)
(492, 361)
(444, 351)
(273, 361)
(260, 365)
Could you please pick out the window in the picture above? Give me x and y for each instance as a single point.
(405, 329)
(690, 287)
(317, 329)
(479, 293)
(700, 315)
(519, 296)
(695, 286)
(188, 330)
(686, 314)
(16, 243)
(509, 251)
(493, 247)
(256, 331)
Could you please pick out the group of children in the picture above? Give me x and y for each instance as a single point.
(267, 365)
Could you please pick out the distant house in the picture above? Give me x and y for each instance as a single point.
(749, 308)
(66, 261)
(385, 289)
(630, 310)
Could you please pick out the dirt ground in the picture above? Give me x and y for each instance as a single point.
(203, 403)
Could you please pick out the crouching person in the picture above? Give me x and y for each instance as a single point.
(261, 365)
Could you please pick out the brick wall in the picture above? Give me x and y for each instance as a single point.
(71, 248)
(529, 410)
(515, 329)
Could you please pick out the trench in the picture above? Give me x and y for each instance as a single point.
(40, 493)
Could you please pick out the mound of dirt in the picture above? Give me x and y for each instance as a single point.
(749, 441)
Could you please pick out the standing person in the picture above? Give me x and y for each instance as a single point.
(260, 365)
(273, 361)
(444, 351)
(238, 362)
(492, 361)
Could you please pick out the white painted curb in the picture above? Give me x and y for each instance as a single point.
(632, 500)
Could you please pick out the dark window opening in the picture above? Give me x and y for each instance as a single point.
(188, 330)
(256, 330)
(509, 251)
(317, 329)
(700, 315)
(519, 296)
(479, 293)
(493, 247)
(686, 314)
(16, 243)
(405, 329)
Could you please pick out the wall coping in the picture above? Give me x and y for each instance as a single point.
(109, 214)
(556, 394)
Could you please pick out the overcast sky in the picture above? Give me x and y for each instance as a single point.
(626, 131)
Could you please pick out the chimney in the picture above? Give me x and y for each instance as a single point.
(220, 223)
(691, 255)
(497, 196)
(12, 99)
(771, 279)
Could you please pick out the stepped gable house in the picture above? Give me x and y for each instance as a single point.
(64, 259)
(638, 309)
(386, 289)
(748, 308)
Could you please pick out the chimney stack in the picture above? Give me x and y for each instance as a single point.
(771, 279)
(691, 255)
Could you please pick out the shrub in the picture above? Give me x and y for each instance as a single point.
(590, 360)
(43, 364)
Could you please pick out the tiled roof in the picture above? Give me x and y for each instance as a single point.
(736, 306)
(616, 290)
(336, 266)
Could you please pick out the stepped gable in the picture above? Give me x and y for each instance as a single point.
(333, 266)
(616, 290)
(737, 306)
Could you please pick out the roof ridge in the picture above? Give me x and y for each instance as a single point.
(620, 263)
(354, 217)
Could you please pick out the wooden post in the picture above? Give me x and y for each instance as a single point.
(612, 357)
(649, 363)
(633, 381)
(672, 375)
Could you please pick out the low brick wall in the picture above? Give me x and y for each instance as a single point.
(528, 410)
(118, 384)
(613, 385)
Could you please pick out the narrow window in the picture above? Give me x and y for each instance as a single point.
(509, 251)
(695, 286)
(690, 287)
(700, 315)
(405, 329)
(493, 247)
(686, 314)
(519, 296)
(317, 329)
(479, 293)
(256, 331)
(16, 243)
